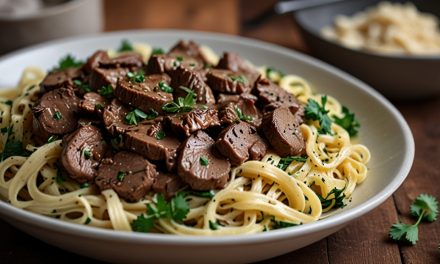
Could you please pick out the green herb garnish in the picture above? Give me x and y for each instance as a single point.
(183, 104)
(165, 87)
(176, 210)
(133, 117)
(335, 197)
(86, 153)
(137, 77)
(205, 194)
(242, 116)
(424, 207)
(286, 161)
(348, 122)
(8, 102)
(6, 130)
(68, 62)
(281, 224)
(213, 225)
(13, 148)
(160, 135)
(57, 115)
(238, 79)
(88, 220)
(314, 111)
(106, 91)
(125, 46)
(99, 106)
(157, 51)
(272, 71)
(121, 175)
(83, 86)
(84, 185)
(204, 161)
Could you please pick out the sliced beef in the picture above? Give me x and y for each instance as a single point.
(271, 96)
(239, 142)
(227, 98)
(188, 49)
(131, 60)
(130, 175)
(190, 122)
(59, 79)
(55, 114)
(82, 152)
(166, 63)
(232, 61)
(102, 77)
(147, 95)
(94, 60)
(113, 117)
(227, 81)
(153, 142)
(193, 80)
(92, 104)
(281, 128)
(244, 104)
(197, 165)
(168, 184)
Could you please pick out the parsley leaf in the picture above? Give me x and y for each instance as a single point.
(121, 175)
(425, 207)
(348, 122)
(183, 104)
(165, 87)
(13, 148)
(238, 79)
(106, 91)
(314, 111)
(137, 77)
(57, 115)
(133, 117)
(271, 72)
(83, 86)
(335, 196)
(204, 194)
(86, 153)
(213, 225)
(125, 46)
(281, 224)
(285, 162)
(204, 161)
(68, 62)
(176, 209)
(157, 51)
(160, 135)
(242, 116)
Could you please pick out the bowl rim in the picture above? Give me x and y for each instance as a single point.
(333, 221)
(49, 11)
(297, 17)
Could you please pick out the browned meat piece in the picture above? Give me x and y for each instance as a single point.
(281, 129)
(92, 104)
(102, 77)
(198, 167)
(239, 142)
(59, 79)
(166, 63)
(130, 175)
(152, 142)
(226, 81)
(232, 61)
(55, 114)
(189, 49)
(227, 98)
(130, 60)
(239, 107)
(114, 117)
(82, 152)
(193, 80)
(168, 184)
(271, 96)
(190, 122)
(147, 95)
(94, 60)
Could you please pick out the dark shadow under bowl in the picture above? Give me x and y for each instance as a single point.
(398, 77)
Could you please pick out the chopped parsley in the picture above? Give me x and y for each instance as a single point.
(86, 153)
(157, 51)
(83, 86)
(271, 71)
(183, 104)
(60, 177)
(335, 197)
(84, 185)
(204, 161)
(286, 161)
(13, 148)
(165, 87)
(160, 135)
(57, 115)
(276, 224)
(121, 175)
(106, 91)
(176, 210)
(204, 194)
(88, 220)
(6, 130)
(242, 116)
(314, 111)
(52, 138)
(8, 102)
(348, 122)
(425, 207)
(133, 117)
(213, 225)
(99, 106)
(116, 142)
(68, 61)
(137, 77)
(125, 46)
(238, 79)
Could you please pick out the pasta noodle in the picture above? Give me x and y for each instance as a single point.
(257, 195)
(389, 28)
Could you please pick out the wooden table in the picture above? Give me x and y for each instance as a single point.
(363, 241)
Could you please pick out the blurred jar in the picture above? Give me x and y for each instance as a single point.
(26, 22)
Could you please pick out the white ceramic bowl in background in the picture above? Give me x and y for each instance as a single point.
(73, 17)
(383, 130)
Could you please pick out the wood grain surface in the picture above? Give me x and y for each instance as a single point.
(364, 240)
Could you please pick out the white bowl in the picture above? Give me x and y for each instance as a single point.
(383, 130)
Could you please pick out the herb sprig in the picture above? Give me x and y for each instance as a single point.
(176, 210)
(424, 207)
(314, 111)
(335, 197)
(348, 122)
(137, 115)
(241, 116)
(183, 104)
(285, 162)
(13, 148)
(66, 62)
(125, 46)
(137, 77)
